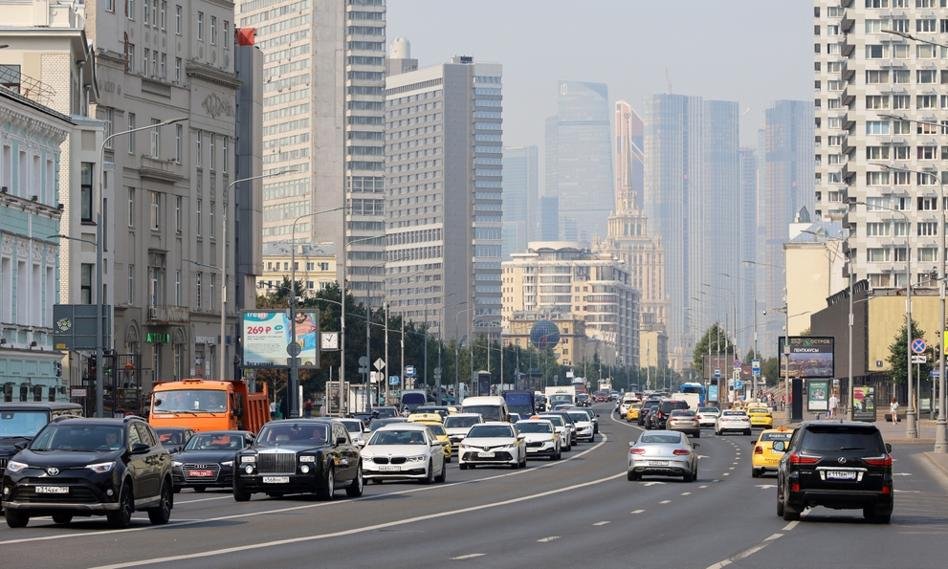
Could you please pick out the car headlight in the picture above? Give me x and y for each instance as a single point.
(248, 459)
(101, 467)
(177, 464)
(419, 458)
(308, 458)
(14, 466)
(227, 463)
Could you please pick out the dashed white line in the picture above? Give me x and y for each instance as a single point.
(665, 502)
(548, 539)
(468, 556)
(730, 468)
(637, 511)
(727, 474)
(602, 523)
(790, 526)
(774, 536)
(686, 493)
(703, 486)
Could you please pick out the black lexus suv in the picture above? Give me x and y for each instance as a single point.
(293, 456)
(85, 467)
(839, 465)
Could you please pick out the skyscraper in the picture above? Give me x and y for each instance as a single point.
(549, 218)
(521, 197)
(691, 188)
(746, 281)
(579, 159)
(786, 186)
(323, 111)
(630, 158)
(444, 196)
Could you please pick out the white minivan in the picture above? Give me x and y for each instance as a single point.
(489, 408)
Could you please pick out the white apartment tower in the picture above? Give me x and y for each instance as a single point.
(879, 98)
(323, 114)
(444, 164)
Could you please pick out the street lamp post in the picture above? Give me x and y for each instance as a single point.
(100, 244)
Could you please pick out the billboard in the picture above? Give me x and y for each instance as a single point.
(810, 356)
(266, 337)
(817, 395)
(864, 403)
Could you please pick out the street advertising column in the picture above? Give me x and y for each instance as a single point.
(864, 403)
(809, 359)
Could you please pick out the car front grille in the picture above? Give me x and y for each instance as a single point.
(276, 463)
(499, 456)
(77, 494)
(215, 468)
(536, 444)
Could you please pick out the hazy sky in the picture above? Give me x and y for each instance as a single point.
(751, 51)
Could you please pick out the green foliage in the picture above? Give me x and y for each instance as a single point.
(898, 351)
(716, 336)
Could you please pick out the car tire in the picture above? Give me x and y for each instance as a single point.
(62, 519)
(429, 475)
(241, 495)
(748, 432)
(121, 518)
(790, 514)
(326, 487)
(447, 459)
(779, 507)
(441, 478)
(558, 455)
(756, 472)
(16, 518)
(357, 486)
(688, 477)
(876, 515)
(161, 514)
(463, 466)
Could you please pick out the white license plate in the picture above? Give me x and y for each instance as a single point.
(486, 454)
(390, 468)
(658, 463)
(840, 475)
(276, 479)
(52, 489)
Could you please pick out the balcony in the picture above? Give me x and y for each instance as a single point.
(164, 170)
(168, 314)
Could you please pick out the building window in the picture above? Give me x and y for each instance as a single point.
(178, 202)
(131, 207)
(198, 227)
(164, 66)
(212, 143)
(110, 6)
(130, 58)
(131, 137)
(85, 284)
(225, 160)
(210, 215)
(178, 17)
(155, 210)
(146, 11)
(177, 69)
(198, 286)
(154, 286)
(155, 139)
(212, 291)
(164, 14)
(109, 114)
(200, 26)
(213, 30)
(156, 360)
(198, 147)
(131, 283)
(178, 142)
(146, 55)
(130, 9)
(86, 191)
(154, 63)
(177, 288)
(225, 30)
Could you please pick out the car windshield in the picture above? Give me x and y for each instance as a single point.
(649, 404)
(490, 432)
(171, 436)
(579, 416)
(659, 439)
(759, 410)
(22, 423)
(555, 419)
(398, 437)
(823, 440)
(386, 412)
(438, 430)
(488, 412)
(293, 434)
(215, 442)
(461, 422)
(80, 438)
(376, 423)
(708, 410)
(353, 426)
(682, 413)
(185, 400)
(734, 414)
(537, 427)
(770, 437)
(557, 399)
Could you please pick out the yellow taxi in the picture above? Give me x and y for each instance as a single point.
(434, 424)
(633, 413)
(425, 418)
(760, 416)
(765, 458)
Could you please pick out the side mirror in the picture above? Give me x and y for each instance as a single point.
(888, 447)
(140, 448)
(158, 402)
(435, 443)
(341, 440)
(780, 446)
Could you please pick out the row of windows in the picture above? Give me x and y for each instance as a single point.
(901, 228)
(301, 138)
(253, 19)
(35, 289)
(35, 176)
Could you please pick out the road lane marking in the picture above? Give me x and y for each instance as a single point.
(730, 468)
(637, 511)
(468, 556)
(727, 473)
(703, 486)
(790, 526)
(665, 502)
(652, 483)
(306, 506)
(602, 523)
(359, 530)
(548, 539)
(227, 497)
(686, 493)
(774, 536)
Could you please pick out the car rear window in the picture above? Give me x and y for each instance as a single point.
(682, 413)
(771, 437)
(835, 439)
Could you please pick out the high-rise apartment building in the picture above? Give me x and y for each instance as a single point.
(879, 98)
(324, 113)
(565, 278)
(521, 198)
(786, 186)
(444, 196)
(691, 188)
(745, 281)
(578, 160)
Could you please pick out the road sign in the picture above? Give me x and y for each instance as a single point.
(917, 359)
(379, 364)
(755, 367)
(935, 373)
(918, 345)
(717, 373)
(394, 380)
(410, 371)
(293, 349)
(364, 361)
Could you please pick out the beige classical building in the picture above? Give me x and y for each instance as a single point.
(653, 349)
(315, 266)
(574, 347)
(563, 277)
(816, 268)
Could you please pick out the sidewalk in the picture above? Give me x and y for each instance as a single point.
(892, 432)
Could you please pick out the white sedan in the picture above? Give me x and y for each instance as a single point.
(541, 438)
(403, 451)
(458, 425)
(732, 420)
(708, 416)
(585, 430)
(494, 443)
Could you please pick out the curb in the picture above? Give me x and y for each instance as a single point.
(942, 468)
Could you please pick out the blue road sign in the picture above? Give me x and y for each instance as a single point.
(918, 346)
(717, 373)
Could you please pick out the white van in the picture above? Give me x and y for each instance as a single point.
(489, 408)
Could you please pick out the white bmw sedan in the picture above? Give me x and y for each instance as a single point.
(732, 421)
(493, 443)
(403, 451)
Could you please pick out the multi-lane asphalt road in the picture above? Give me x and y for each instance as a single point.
(579, 512)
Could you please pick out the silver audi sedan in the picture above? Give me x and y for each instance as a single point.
(666, 453)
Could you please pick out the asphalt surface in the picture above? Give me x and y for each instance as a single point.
(580, 511)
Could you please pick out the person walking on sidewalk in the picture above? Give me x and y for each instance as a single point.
(894, 410)
(833, 404)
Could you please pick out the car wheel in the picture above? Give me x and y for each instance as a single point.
(779, 507)
(356, 487)
(326, 487)
(16, 518)
(443, 476)
(122, 517)
(241, 495)
(755, 472)
(876, 515)
(630, 476)
(688, 477)
(790, 514)
(160, 514)
(558, 455)
(429, 475)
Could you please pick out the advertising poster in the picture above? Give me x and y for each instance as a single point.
(864, 403)
(713, 393)
(810, 356)
(266, 335)
(817, 395)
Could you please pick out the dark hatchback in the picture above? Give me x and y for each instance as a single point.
(647, 407)
(207, 461)
(85, 467)
(294, 456)
(659, 417)
(839, 465)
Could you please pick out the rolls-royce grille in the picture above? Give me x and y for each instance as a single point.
(276, 463)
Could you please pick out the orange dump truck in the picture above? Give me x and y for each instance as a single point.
(208, 405)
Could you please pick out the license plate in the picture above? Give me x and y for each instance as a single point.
(390, 468)
(201, 473)
(52, 489)
(486, 454)
(840, 475)
(658, 463)
(276, 479)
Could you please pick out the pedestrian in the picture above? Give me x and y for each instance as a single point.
(833, 404)
(308, 407)
(894, 410)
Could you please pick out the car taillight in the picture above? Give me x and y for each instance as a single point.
(681, 452)
(886, 490)
(758, 450)
(884, 461)
(797, 458)
(636, 451)
(795, 487)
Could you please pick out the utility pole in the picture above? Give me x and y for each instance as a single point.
(387, 361)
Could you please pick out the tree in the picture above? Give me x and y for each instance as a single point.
(898, 351)
(717, 338)
(770, 370)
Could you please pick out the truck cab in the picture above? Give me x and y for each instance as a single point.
(208, 405)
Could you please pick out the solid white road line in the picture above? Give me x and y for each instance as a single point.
(790, 526)
(602, 523)
(548, 539)
(468, 556)
(227, 497)
(360, 530)
(774, 536)
(307, 506)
